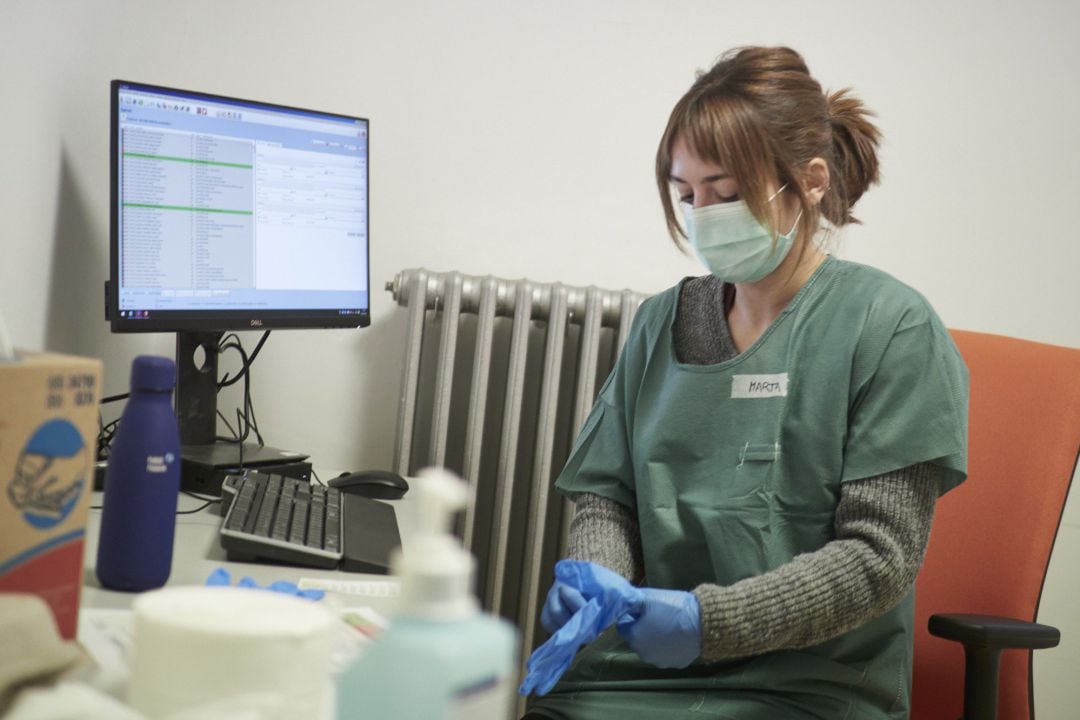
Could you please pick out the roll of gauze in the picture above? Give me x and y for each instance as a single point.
(195, 645)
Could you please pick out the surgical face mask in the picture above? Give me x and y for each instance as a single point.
(733, 245)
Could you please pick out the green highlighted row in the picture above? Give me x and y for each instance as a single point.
(188, 209)
(187, 160)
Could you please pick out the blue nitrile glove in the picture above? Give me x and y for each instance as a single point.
(221, 576)
(667, 631)
(607, 596)
(562, 602)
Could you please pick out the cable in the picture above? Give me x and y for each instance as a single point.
(225, 420)
(208, 501)
(227, 381)
(244, 425)
(197, 496)
(251, 420)
(202, 507)
(105, 437)
(101, 447)
(245, 418)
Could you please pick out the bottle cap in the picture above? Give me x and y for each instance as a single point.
(153, 373)
(436, 573)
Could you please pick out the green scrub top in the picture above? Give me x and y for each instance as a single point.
(735, 468)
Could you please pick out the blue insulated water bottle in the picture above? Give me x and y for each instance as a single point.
(142, 481)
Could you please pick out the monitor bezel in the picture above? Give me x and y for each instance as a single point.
(219, 320)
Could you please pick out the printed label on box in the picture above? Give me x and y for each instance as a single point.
(50, 474)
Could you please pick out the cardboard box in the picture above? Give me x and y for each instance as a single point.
(48, 444)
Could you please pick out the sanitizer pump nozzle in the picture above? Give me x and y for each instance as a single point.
(437, 573)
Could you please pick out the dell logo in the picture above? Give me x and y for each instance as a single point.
(256, 323)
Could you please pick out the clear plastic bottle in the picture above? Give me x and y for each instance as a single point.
(440, 658)
(142, 481)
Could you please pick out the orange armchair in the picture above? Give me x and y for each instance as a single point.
(991, 540)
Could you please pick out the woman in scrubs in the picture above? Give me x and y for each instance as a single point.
(762, 465)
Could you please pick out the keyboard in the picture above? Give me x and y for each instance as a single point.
(283, 520)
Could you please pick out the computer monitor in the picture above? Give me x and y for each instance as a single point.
(230, 214)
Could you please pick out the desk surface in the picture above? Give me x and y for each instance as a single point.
(197, 552)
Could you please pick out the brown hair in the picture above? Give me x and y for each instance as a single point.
(758, 112)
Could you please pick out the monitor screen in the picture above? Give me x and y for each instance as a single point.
(231, 214)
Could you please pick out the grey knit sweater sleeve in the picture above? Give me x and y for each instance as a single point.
(882, 526)
(606, 533)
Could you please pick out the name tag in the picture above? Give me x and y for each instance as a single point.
(759, 386)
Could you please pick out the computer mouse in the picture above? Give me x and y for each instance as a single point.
(376, 484)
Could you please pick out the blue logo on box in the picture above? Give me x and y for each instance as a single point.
(50, 474)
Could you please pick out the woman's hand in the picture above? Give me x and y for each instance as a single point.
(585, 600)
(562, 602)
(666, 631)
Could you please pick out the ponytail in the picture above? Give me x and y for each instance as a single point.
(855, 142)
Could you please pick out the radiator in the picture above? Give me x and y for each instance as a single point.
(498, 377)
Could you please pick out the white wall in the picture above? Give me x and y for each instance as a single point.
(517, 139)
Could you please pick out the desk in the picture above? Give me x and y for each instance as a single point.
(197, 552)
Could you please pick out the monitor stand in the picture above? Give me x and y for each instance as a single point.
(205, 459)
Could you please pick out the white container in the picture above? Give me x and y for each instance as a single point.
(441, 658)
(200, 645)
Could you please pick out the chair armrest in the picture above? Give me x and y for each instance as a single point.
(984, 638)
(992, 631)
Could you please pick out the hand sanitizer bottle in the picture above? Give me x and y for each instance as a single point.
(440, 658)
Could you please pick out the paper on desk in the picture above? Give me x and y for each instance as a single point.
(361, 604)
(108, 637)
(360, 627)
